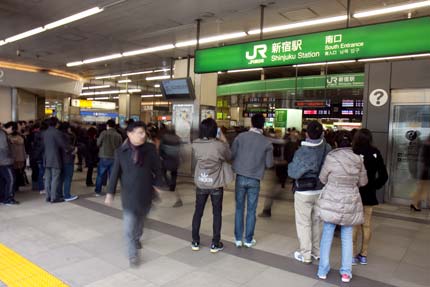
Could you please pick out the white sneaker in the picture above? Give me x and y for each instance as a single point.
(238, 243)
(42, 192)
(322, 277)
(315, 257)
(73, 197)
(299, 257)
(250, 244)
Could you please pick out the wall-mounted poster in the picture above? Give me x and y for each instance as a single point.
(182, 120)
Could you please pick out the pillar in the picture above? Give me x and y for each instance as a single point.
(129, 108)
(14, 103)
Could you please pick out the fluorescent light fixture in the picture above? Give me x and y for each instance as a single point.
(72, 64)
(73, 18)
(25, 35)
(102, 98)
(244, 70)
(157, 78)
(392, 9)
(156, 85)
(395, 57)
(90, 99)
(107, 77)
(103, 58)
(151, 96)
(96, 87)
(115, 98)
(162, 70)
(325, 63)
(53, 25)
(300, 24)
(149, 50)
(211, 39)
(111, 92)
(124, 81)
(137, 73)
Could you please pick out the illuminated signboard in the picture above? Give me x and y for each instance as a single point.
(378, 40)
(93, 104)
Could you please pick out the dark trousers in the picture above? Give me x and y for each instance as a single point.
(216, 199)
(7, 183)
(171, 181)
(90, 170)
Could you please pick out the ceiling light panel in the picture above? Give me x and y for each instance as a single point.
(392, 9)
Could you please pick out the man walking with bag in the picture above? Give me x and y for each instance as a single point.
(305, 169)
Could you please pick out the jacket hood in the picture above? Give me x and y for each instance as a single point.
(353, 163)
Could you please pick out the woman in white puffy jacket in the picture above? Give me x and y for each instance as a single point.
(340, 203)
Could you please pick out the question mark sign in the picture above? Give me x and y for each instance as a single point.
(379, 95)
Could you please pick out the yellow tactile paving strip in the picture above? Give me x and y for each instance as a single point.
(16, 271)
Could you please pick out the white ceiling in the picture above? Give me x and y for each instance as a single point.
(136, 24)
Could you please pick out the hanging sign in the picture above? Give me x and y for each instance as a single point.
(378, 40)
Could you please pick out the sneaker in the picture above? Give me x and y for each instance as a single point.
(100, 194)
(250, 244)
(346, 278)
(42, 192)
(361, 259)
(315, 257)
(195, 246)
(178, 203)
(73, 197)
(57, 200)
(265, 213)
(354, 261)
(238, 243)
(217, 247)
(134, 262)
(322, 277)
(11, 202)
(299, 257)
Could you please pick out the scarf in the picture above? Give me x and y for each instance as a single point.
(136, 154)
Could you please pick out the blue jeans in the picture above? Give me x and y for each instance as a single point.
(105, 166)
(6, 183)
(246, 189)
(66, 179)
(325, 246)
(133, 230)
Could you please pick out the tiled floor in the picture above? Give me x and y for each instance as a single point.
(81, 243)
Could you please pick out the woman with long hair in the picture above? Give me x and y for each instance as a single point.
(377, 176)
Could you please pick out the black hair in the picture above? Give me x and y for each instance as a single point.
(64, 126)
(343, 139)
(134, 125)
(14, 126)
(208, 128)
(257, 121)
(314, 130)
(110, 123)
(362, 138)
(52, 121)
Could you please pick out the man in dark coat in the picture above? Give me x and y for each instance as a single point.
(137, 165)
(54, 146)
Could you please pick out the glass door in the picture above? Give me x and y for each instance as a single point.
(410, 128)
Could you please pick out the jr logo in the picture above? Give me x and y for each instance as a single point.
(258, 50)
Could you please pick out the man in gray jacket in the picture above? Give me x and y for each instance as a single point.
(252, 153)
(6, 171)
(305, 169)
(108, 141)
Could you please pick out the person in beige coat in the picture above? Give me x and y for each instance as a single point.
(340, 203)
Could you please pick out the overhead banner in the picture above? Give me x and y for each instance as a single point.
(93, 104)
(378, 40)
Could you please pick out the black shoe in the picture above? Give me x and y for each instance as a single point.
(217, 247)
(195, 246)
(57, 200)
(90, 184)
(265, 213)
(134, 262)
(138, 244)
(414, 208)
(11, 202)
(178, 203)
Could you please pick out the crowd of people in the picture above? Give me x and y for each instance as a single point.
(335, 177)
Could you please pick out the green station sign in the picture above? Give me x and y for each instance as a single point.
(378, 40)
(281, 118)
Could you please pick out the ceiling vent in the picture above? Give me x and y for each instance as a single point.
(299, 15)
